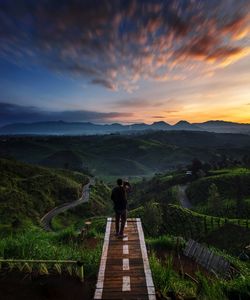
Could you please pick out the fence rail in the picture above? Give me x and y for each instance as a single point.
(45, 266)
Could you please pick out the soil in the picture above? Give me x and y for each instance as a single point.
(182, 264)
(91, 242)
(17, 285)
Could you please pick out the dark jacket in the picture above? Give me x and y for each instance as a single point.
(119, 198)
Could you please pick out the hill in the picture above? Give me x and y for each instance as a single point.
(232, 197)
(64, 159)
(124, 155)
(27, 192)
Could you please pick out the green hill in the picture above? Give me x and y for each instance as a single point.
(233, 193)
(65, 159)
(138, 154)
(27, 192)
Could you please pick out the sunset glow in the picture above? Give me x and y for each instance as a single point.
(125, 61)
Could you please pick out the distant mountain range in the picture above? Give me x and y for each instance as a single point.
(87, 128)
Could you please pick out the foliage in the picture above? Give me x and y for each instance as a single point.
(209, 289)
(27, 191)
(36, 244)
(135, 154)
(166, 242)
(213, 197)
(231, 194)
(152, 218)
(167, 280)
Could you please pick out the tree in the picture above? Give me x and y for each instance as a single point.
(214, 197)
(239, 198)
(196, 166)
(152, 217)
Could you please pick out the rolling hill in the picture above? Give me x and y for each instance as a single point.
(27, 192)
(125, 155)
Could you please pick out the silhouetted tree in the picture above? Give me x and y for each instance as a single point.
(239, 199)
(196, 166)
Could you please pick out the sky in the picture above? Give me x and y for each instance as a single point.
(126, 61)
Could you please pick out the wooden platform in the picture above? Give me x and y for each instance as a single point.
(124, 271)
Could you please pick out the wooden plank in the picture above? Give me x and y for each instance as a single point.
(127, 274)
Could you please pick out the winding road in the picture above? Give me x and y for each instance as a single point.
(46, 219)
(184, 201)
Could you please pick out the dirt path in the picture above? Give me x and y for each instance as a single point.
(46, 219)
(184, 201)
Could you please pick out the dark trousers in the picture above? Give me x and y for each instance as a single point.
(120, 215)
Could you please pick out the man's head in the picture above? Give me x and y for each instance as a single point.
(119, 181)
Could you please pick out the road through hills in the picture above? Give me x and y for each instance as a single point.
(47, 218)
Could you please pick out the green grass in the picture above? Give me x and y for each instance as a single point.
(167, 280)
(231, 184)
(36, 244)
(185, 222)
(27, 192)
(99, 205)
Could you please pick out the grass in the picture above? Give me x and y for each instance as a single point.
(27, 192)
(184, 222)
(166, 242)
(64, 245)
(167, 280)
(231, 184)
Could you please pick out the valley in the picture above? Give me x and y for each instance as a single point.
(185, 185)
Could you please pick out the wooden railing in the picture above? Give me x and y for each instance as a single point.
(45, 266)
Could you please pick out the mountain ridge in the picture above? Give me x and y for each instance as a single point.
(87, 128)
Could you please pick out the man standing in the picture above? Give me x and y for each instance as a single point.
(119, 197)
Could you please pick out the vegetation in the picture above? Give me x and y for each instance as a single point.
(27, 192)
(218, 190)
(34, 243)
(99, 205)
(224, 193)
(198, 286)
(137, 154)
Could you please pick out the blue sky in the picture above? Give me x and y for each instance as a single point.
(124, 61)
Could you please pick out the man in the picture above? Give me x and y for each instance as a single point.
(119, 197)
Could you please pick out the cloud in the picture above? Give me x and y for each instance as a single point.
(13, 113)
(117, 43)
(158, 117)
(137, 103)
(106, 83)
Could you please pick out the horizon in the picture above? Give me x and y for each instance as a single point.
(120, 123)
(130, 62)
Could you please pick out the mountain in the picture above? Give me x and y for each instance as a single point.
(184, 125)
(87, 128)
(224, 127)
(160, 125)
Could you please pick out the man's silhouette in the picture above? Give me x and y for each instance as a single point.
(119, 197)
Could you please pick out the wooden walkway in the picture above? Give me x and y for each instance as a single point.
(124, 271)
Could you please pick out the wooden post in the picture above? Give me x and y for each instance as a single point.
(205, 224)
(80, 270)
(81, 274)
